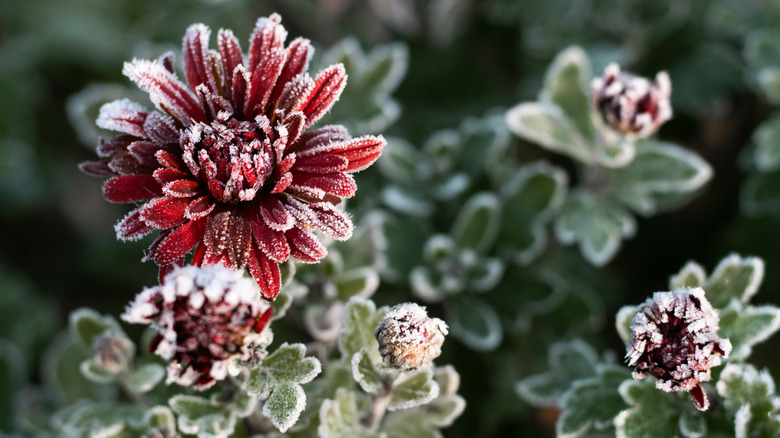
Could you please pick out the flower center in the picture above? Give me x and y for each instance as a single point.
(236, 159)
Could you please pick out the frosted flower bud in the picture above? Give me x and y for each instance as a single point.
(408, 338)
(113, 351)
(206, 317)
(674, 337)
(632, 104)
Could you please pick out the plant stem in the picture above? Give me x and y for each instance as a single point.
(379, 406)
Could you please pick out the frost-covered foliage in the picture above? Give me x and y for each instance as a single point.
(524, 169)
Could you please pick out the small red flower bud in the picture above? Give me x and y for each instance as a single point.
(674, 337)
(408, 338)
(205, 317)
(632, 104)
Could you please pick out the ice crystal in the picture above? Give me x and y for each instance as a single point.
(227, 164)
(206, 317)
(408, 338)
(632, 104)
(674, 338)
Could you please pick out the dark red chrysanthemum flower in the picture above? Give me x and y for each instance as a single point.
(228, 165)
(674, 337)
(205, 317)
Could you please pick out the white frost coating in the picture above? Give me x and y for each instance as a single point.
(734, 260)
(408, 338)
(123, 115)
(149, 76)
(288, 417)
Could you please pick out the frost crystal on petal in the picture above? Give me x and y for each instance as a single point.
(632, 104)
(674, 337)
(408, 338)
(205, 317)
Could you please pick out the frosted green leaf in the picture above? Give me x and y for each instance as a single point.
(596, 224)
(530, 200)
(160, 417)
(548, 126)
(365, 372)
(692, 425)
(746, 326)
(592, 403)
(691, 275)
(340, 418)
(405, 202)
(285, 405)
(282, 303)
(365, 105)
(484, 144)
(767, 139)
(95, 373)
(653, 414)
(413, 389)
(734, 277)
(426, 284)
(485, 274)
(566, 85)
(12, 378)
(615, 149)
(360, 320)
(762, 53)
(87, 324)
(287, 364)
(83, 109)
(448, 379)
(478, 222)
(400, 161)
(658, 168)
(400, 244)
(743, 385)
(62, 373)
(357, 282)
(623, 322)
(760, 195)
(769, 81)
(145, 378)
(202, 417)
(568, 362)
(105, 419)
(408, 425)
(474, 323)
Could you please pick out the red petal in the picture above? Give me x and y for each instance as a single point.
(337, 183)
(160, 128)
(282, 184)
(123, 115)
(266, 273)
(699, 398)
(116, 145)
(200, 207)
(362, 152)
(216, 231)
(294, 94)
(132, 227)
(144, 152)
(322, 164)
(275, 214)
(96, 168)
(197, 63)
(130, 188)
(269, 34)
(165, 176)
(183, 188)
(332, 220)
(230, 52)
(327, 88)
(273, 243)
(304, 246)
(170, 161)
(239, 240)
(264, 78)
(167, 93)
(298, 54)
(200, 252)
(126, 164)
(164, 212)
(179, 242)
(320, 137)
(263, 321)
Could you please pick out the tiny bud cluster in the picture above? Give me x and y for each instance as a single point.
(408, 338)
(205, 317)
(113, 351)
(632, 104)
(674, 337)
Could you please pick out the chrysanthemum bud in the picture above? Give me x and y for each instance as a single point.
(205, 316)
(674, 337)
(632, 104)
(408, 338)
(113, 351)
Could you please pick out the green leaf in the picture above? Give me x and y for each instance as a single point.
(365, 372)
(734, 277)
(767, 139)
(95, 373)
(531, 199)
(412, 424)
(203, 417)
(285, 405)
(762, 54)
(760, 195)
(569, 362)
(289, 364)
(474, 322)
(596, 224)
(743, 385)
(357, 282)
(566, 85)
(400, 161)
(691, 275)
(282, 303)
(623, 320)
(413, 389)
(62, 373)
(340, 418)
(548, 126)
(365, 105)
(692, 425)
(87, 324)
(746, 326)
(105, 419)
(477, 223)
(145, 378)
(360, 320)
(592, 403)
(658, 168)
(160, 417)
(654, 413)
